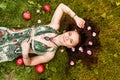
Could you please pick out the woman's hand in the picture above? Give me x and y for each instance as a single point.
(25, 46)
(79, 21)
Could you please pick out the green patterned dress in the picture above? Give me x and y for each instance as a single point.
(10, 42)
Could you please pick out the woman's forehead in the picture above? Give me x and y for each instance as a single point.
(74, 32)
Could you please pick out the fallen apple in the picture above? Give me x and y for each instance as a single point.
(40, 68)
(26, 15)
(46, 8)
(19, 61)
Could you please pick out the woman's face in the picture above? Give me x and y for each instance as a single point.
(70, 38)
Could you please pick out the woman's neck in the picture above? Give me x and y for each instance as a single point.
(57, 41)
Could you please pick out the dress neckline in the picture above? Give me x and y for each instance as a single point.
(51, 39)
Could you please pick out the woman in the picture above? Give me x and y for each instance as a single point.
(42, 40)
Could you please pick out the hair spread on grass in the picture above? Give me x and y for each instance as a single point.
(87, 46)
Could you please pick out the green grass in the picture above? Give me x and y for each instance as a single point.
(104, 12)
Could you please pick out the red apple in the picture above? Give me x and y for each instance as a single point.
(19, 61)
(40, 68)
(46, 8)
(26, 15)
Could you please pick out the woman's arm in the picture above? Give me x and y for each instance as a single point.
(55, 22)
(31, 61)
(38, 59)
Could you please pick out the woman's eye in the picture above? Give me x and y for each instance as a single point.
(69, 34)
(71, 41)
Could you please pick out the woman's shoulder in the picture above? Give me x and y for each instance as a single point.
(54, 26)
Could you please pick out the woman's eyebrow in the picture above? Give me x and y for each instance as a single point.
(70, 33)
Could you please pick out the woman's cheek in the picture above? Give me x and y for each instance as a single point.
(68, 43)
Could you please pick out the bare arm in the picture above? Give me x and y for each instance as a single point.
(55, 22)
(38, 59)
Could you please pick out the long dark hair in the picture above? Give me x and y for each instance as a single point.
(87, 46)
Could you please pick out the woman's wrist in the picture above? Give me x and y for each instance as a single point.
(74, 16)
(25, 56)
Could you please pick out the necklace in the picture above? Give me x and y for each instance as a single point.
(51, 39)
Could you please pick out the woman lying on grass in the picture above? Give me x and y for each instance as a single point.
(44, 40)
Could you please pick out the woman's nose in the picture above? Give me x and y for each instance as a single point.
(67, 38)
